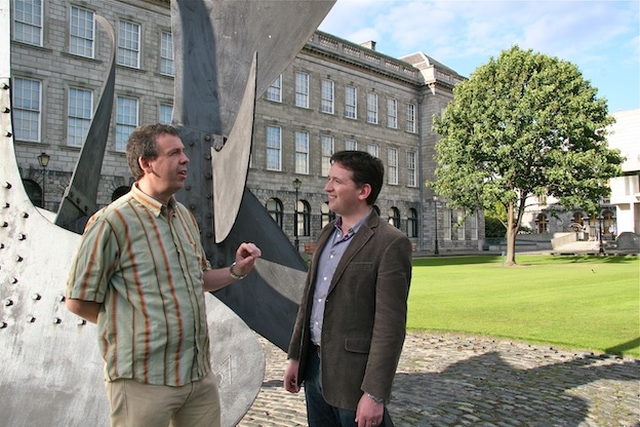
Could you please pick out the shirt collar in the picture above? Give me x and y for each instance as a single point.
(353, 230)
(156, 207)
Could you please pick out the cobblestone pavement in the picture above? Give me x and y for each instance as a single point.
(448, 380)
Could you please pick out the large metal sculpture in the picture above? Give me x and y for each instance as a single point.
(227, 52)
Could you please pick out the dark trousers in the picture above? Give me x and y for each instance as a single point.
(319, 412)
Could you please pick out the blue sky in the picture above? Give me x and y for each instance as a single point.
(602, 38)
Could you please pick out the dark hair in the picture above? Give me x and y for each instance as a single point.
(142, 143)
(366, 169)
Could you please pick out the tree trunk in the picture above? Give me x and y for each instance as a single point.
(512, 231)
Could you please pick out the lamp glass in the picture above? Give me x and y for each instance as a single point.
(43, 159)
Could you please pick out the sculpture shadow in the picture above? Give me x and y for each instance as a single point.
(485, 389)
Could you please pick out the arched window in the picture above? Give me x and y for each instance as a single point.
(578, 218)
(394, 216)
(274, 207)
(34, 191)
(119, 192)
(607, 221)
(326, 214)
(304, 211)
(542, 222)
(412, 223)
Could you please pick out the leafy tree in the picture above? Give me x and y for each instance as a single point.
(523, 125)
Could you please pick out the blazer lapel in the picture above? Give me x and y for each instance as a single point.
(364, 234)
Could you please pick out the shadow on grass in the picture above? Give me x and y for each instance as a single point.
(621, 348)
(487, 389)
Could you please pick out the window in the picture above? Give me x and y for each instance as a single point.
(446, 223)
(411, 118)
(351, 102)
(327, 151)
(373, 150)
(274, 207)
(392, 166)
(412, 175)
(302, 152)
(302, 90)
(27, 21)
(274, 92)
(81, 32)
(166, 54)
(412, 223)
(351, 144)
(26, 109)
(392, 113)
(79, 116)
(394, 217)
(460, 223)
(274, 148)
(304, 226)
(129, 44)
(372, 107)
(326, 214)
(165, 112)
(542, 222)
(473, 225)
(327, 97)
(126, 120)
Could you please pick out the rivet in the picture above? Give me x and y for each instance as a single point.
(6, 110)
(3, 325)
(7, 185)
(31, 319)
(25, 215)
(61, 298)
(8, 302)
(207, 156)
(36, 297)
(5, 86)
(8, 134)
(6, 205)
(1, 245)
(207, 137)
(19, 258)
(81, 322)
(192, 207)
(21, 236)
(14, 281)
(5, 224)
(57, 320)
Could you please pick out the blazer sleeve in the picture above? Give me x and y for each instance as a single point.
(392, 291)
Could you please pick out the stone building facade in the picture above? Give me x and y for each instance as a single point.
(335, 95)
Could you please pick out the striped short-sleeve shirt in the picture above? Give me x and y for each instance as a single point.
(147, 271)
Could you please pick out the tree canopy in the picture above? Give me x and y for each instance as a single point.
(524, 125)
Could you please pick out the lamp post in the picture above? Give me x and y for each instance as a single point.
(43, 159)
(296, 184)
(600, 246)
(435, 210)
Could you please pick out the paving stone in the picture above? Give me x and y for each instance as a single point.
(449, 380)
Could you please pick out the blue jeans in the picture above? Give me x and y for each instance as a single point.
(319, 412)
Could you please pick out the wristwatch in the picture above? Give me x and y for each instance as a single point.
(374, 398)
(234, 275)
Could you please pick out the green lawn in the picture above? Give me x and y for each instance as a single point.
(581, 302)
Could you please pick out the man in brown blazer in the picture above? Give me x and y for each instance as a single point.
(351, 322)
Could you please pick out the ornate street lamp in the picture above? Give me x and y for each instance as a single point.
(43, 159)
(296, 184)
(600, 233)
(435, 210)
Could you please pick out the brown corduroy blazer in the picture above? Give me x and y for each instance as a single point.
(365, 314)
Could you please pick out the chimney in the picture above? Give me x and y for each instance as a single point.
(369, 45)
